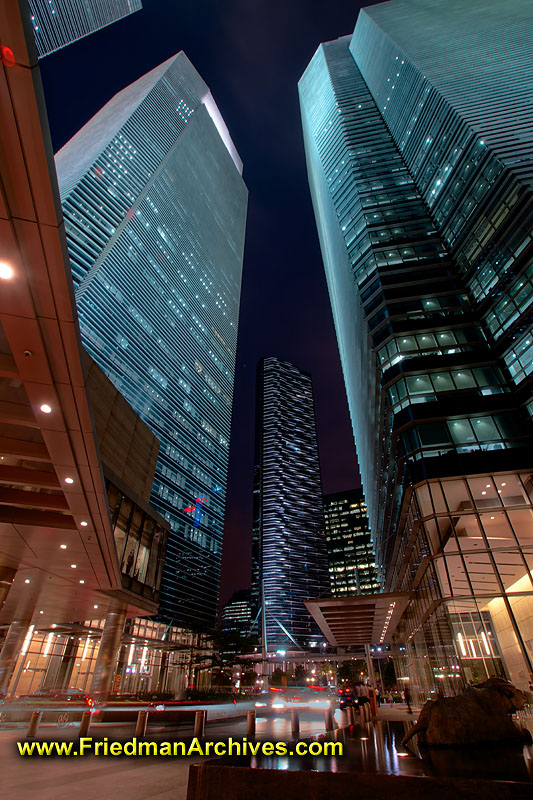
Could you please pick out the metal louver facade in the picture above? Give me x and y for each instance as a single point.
(289, 531)
(57, 23)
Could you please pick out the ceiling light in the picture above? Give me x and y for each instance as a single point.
(27, 580)
(69, 480)
(84, 524)
(46, 409)
(63, 546)
(82, 581)
(73, 566)
(6, 272)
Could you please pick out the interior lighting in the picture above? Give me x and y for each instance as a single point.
(63, 546)
(46, 409)
(73, 566)
(84, 524)
(69, 480)
(6, 272)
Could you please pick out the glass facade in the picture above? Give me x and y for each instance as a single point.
(57, 23)
(152, 658)
(155, 207)
(351, 559)
(237, 613)
(290, 557)
(419, 159)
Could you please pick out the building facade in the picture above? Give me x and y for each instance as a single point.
(155, 207)
(57, 23)
(419, 151)
(237, 613)
(290, 562)
(351, 558)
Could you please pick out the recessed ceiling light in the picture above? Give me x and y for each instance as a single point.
(6, 272)
(41, 612)
(63, 546)
(84, 524)
(82, 581)
(69, 480)
(46, 409)
(27, 580)
(73, 566)
(95, 606)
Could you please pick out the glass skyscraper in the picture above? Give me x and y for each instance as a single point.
(419, 146)
(155, 207)
(289, 548)
(351, 558)
(57, 23)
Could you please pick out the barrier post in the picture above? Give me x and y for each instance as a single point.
(250, 723)
(295, 723)
(328, 719)
(34, 724)
(142, 722)
(84, 724)
(199, 724)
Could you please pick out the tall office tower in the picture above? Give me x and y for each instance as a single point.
(155, 207)
(237, 613)
(351, 558)
(419, 145)
(289, 537)
(57, 23)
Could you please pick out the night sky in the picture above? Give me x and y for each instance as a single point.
(251, 53)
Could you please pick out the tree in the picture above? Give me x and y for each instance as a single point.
(350, 671)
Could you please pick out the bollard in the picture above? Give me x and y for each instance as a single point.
(250, 723)
(350, 714)
(142, 722)
(199, 724)
(34, 724)
(84, 724)
(295, 723)
(328, 719)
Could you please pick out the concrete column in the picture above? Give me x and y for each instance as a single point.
(11, 651)
(104, 671)
(7, 575)
(370, 665)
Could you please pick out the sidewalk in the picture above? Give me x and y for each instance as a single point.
(397, 713)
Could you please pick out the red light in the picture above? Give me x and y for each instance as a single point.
(7, 57)
(190, 509)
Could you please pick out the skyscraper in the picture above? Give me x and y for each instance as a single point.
(155, 206)
(419, 149)
(57, 23)
(351, 558)
(289, 545)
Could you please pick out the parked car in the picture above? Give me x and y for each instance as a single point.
(61, 706)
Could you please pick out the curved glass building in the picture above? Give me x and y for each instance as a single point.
(419, 146)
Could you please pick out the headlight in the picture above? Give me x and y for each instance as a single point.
(260, 705)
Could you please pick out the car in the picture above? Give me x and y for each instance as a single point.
(347, 698)
(61, 706)
(301, 698)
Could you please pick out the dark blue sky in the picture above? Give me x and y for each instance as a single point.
(251, 53)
